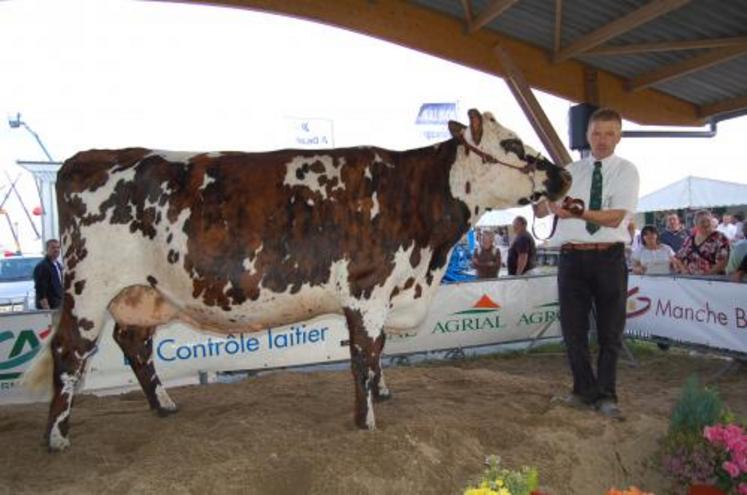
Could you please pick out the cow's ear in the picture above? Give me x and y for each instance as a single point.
(475, 125)
(457, 130)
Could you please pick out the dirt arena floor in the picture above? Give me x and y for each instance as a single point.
(292, 433)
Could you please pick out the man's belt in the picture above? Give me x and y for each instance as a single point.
(588, 246)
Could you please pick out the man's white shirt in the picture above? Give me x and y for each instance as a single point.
(619, 192)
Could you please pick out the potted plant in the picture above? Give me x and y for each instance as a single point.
(497, 480)
(687, 456)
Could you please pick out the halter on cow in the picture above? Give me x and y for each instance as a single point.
(235, 242)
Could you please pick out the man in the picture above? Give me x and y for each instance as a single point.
(738, 221)
(592, 266)
(674, 233)
(487, 258)
(738, 252)
(522, 253)
(727, 228)
(48, 278)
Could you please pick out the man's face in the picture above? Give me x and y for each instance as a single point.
(673, 222)
(603, 136)
(53, 250)
(518, 226)
(726, 220)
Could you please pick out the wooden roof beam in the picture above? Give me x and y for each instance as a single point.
(617, 27)
(519, 87)
(723, 106)
(681, 69)
(558, 24)
(489, 14)
(442, 35)
(668, 46)
(467, 6)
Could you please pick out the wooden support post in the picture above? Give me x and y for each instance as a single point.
(532, 109)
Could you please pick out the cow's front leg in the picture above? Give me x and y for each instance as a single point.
(137, 345)
(366, 342)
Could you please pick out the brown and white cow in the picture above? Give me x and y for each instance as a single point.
(241, 241)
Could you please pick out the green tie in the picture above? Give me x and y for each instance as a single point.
(595, 198)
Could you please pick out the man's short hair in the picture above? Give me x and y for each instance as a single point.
(605, 114)
(521, 220)
(50, 241)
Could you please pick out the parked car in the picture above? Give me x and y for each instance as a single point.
(17, 283)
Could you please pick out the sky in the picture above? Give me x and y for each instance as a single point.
(115, 73)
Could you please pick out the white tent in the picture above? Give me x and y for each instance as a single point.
(694, 192)
(504, 217)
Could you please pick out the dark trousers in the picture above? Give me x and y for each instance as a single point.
(599, 277)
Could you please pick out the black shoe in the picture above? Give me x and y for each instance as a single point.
(610, 409)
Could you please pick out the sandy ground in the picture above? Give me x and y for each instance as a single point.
(292, 433)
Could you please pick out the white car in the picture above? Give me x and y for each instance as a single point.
(17, 283)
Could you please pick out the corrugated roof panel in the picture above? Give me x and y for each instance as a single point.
(720, 82)
(533, 21)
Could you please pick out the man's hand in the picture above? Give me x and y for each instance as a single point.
(559, 211)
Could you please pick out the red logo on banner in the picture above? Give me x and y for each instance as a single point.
(638, 305)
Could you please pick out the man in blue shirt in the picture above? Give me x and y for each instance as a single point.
(674, 234)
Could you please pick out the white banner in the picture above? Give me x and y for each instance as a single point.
(21, 337)
(712, 313)
(311, 133)
(433, 120)
(462, 315)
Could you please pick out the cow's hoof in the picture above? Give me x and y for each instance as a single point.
(383, 395)
(58, 443)
(164, 412)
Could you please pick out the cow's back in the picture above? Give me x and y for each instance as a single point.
(221, 234)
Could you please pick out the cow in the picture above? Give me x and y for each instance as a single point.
(232, 241)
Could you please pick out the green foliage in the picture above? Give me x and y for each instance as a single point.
(696, 408)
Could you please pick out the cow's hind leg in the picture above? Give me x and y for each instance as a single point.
(70, 351)
(365, 346)
(380, 391)
(136, 343)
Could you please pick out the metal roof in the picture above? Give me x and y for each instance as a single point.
(533, 22)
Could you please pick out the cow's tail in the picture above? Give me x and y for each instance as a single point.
(38, 376)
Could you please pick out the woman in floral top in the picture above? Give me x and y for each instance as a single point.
(706, 251)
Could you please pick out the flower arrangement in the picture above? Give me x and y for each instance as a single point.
(730, 442)
(501, 481)
(687, 457)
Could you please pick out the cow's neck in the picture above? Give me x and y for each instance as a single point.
(467, 183)
(445, 218)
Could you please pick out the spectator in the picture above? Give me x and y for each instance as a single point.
(487, 257)
(740, 272)
(652, 257)
(674, 234)
(48, 278)
(738, 252)
(522, 255)
(738, 221)
(706, 251)
(727, 228)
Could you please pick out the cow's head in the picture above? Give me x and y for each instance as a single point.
(495, 169)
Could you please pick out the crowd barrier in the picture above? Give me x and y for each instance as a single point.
(463, 315)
